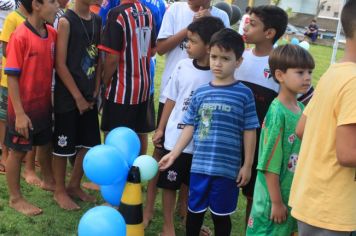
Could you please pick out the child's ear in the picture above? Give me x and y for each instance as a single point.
(238, 62)
(278, 74)
(270, 33)
(207, 48)
(35, 4)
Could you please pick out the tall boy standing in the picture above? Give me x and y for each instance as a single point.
(77, 85)
(220, 115)
(30, 59)
(267, 24)
(129, 40)
(324, 186)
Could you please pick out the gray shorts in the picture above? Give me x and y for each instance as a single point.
(307, 230)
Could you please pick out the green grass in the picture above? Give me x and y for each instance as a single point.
(55, 221)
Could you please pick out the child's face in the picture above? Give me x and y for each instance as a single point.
(198, 3)
(47, 10)
(223, 63)
(296, 80)
(254, 31)
(195, 46)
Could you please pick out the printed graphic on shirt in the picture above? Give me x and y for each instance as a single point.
(206, 114)
(187, 101)
(88, 62)
(292, 163)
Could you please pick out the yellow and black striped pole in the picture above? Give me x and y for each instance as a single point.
(131, 204)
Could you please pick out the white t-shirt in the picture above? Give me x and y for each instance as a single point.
(177, 17)
(185, 79)
(244, 21)
(255, 70)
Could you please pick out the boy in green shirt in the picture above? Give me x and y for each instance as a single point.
(291, 67)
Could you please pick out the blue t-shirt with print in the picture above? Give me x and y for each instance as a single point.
(219, 115)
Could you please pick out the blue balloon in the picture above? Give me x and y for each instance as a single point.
(294, 41)
(102, 220)
(148, 167)
(105, 165)
(126, 140)
(113, 193)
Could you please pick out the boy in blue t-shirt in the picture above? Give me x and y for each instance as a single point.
(220, 115)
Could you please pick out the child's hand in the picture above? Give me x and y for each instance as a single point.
(279, 212)
(157, 138)
(244, 176)
(166, 161)
(201, 13)
(23, 124)
(83, 105)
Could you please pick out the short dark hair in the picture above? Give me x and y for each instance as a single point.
(289, 56)
(348, 18)
(272, 17)
(205, 27)
(228, 39)
(27, 4)
(247, 9)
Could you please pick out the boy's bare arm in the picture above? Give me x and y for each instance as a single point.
(167, 44)
(184, 139)
(299, 130)
(109, 67)
(22, 121)
(279, 210)
(249, 137)
(4, 45)
(98, 73)
(62, 69)
(346, 145)
(167, 110)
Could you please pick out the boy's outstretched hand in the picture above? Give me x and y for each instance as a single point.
(279, 212)
(244, 176)
(166, 161)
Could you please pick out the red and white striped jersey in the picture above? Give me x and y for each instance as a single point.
(130, 33)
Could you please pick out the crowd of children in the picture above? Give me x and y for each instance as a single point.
(229, 118)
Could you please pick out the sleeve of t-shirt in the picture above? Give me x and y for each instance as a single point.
(250, 114)
(167, 27)
(8, 28)
(14, 55)
(224, 17)
(191, 113)
(171, 91)
(112, 38)
(309, 107)
(270, 152)
(345, 108)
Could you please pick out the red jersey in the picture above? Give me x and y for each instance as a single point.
(129, 32)
(31, 59)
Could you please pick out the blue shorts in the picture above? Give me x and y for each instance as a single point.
(219, 194)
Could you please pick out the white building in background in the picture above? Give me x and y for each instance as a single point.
(330, 8)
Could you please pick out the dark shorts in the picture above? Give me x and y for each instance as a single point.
(177, 174)
(217, 193)
(3, 103)
(159, 115)
(305, 229)
(72, 131)
(15, 141)
(131, 116)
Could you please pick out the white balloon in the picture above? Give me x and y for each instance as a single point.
(305, 45)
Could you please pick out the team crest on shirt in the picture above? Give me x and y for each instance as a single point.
(62, 141)
(292, 163)
(172, 176)
(267, 73)
(250, 222)
(292, 138)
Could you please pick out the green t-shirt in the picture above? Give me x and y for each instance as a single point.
(278, 154)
